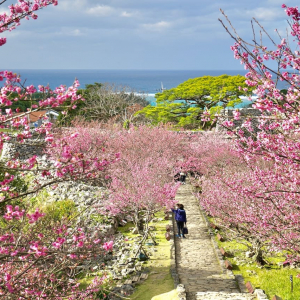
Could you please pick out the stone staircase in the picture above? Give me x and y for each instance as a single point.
(197, 262)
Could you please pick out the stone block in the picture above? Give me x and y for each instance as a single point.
(228, 265)
(127, 289)
(250, 287)
(180, 288)
(276, 298)
(260, 294)
(214, 226)
(168, 236)
(144, 276)
(241, 283)
(223, 252)
(220, 238)
(286, 264)
(135, 278)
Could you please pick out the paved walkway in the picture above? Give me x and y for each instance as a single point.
(197, 264)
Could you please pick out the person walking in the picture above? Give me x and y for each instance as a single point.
(180, 218)
(182, 176)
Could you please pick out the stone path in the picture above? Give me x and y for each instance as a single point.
(197, 265)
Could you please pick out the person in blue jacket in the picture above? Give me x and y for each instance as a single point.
(180, 218)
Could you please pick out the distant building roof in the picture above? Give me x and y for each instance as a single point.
(37, 115)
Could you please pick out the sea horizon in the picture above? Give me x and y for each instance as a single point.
(140, 81)
(146, 81)
(126, 69)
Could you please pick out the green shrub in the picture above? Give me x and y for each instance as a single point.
(63, 209)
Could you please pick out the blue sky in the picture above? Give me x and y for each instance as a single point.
(136, 34)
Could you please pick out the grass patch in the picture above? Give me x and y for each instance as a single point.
(9, 130)
(103, 292)
(272, 278)
(160, 280)
(126, 230)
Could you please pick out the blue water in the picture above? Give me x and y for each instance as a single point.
(148, 81)
(141, 81)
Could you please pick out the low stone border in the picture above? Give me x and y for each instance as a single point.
(241, 283)
(173, 267)
(215, 246)
(276, 298)
(260, 294)
(181, 292)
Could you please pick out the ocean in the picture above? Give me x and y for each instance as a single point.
(148, 82)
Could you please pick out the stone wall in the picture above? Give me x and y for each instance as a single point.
(227, 115)
(22, 151)
(82, 194)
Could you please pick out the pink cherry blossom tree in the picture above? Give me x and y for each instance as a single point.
(40, 258)
(142, 181)
(258, 197)
(139, 166)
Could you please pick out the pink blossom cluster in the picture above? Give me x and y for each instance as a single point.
(253, 189)
(22, 9)
(46, 253)
(39, 256)
(108, 246)
(13, 212)
(80, 153)
(141, 181)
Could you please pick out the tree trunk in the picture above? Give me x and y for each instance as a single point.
(258, 256)
(138, 222)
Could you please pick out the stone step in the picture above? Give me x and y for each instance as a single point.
(223, 296)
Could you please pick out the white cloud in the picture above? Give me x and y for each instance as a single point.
(126, 14)
(266, 14)
(76, 5)
(159, 26)
(101, 10)
(69, 31)
(190, 28)
(277, 2)
(4, 10)
(76, 32)
(15, 33)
